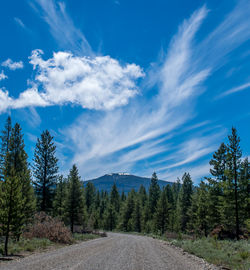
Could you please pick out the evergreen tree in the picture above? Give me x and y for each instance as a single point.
(115, 198)
(234, 162)
(59, 199)
(192, 225)
(16, 160)
(218, 163)
(244, 191)
(4, 140)
(161, 217)
(215, 186)
(89, 196)
(142, 195)
(11, 207)
(123, 197)
(185, 200)
(110, 217)
(202, 209)
(127, 211)
(136, 216)
(74, 199)
(154, 193)
(45, 171)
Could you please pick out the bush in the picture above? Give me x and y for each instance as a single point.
(45, 226)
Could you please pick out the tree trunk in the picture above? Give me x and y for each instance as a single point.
(236, 202)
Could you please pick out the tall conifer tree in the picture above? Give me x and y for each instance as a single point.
(4, 140)
(45, 171)
(74, 205)
(234, 162)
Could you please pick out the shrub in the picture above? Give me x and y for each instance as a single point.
(45, 226)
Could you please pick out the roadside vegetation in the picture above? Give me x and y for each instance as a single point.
(36, 202)
(226, 253)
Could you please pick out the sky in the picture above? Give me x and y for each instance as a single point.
(127, 85)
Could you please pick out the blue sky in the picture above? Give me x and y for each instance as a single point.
(127, 86)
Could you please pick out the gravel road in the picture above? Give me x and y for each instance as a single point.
(115, 252)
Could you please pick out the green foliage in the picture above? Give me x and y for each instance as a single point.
(74, 205)
(184, 201)
(45, 171)
(154, 193)
(161, 216)
(11, 207)
(59, 199)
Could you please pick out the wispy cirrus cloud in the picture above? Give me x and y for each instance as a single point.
(62, 27)
(234, 90)
(12, 65)
(122, 136)
(118, 140)
(129, 136)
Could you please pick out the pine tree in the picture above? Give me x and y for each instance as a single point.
(136, 216)
(192, 225)
(142, 195)
(215, 186)
(45, 171)
(218, 163)
(89, 196)
(5, 140)
(234, 162)
(161, 217)
(11, 207)
(110, 217)
(154, 193)
(185, 199)
(244, 191)
(115, 198)
(16, 160)
(127, 211)
(202, 210)
(59, 199)
(74, 199)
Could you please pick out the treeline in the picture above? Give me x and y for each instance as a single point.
(220, 202)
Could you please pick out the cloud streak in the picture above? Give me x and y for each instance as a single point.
(234, 90)
(124, 140)
(62, 27)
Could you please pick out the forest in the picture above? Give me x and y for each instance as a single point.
(218, 206)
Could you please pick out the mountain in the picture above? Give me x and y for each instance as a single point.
(124, 182)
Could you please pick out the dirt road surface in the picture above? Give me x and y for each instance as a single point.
(115, 252)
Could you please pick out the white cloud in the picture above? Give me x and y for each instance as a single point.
(117, 141)
(3, 76)
(99, 83)
(12, 65)
(62, 27)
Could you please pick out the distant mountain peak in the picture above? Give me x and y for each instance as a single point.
(124, 182)
(118, 173)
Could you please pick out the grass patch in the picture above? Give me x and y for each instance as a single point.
(85, 236)
(231, 254)
(23, 245)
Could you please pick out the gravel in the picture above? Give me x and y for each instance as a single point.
(115, 252)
